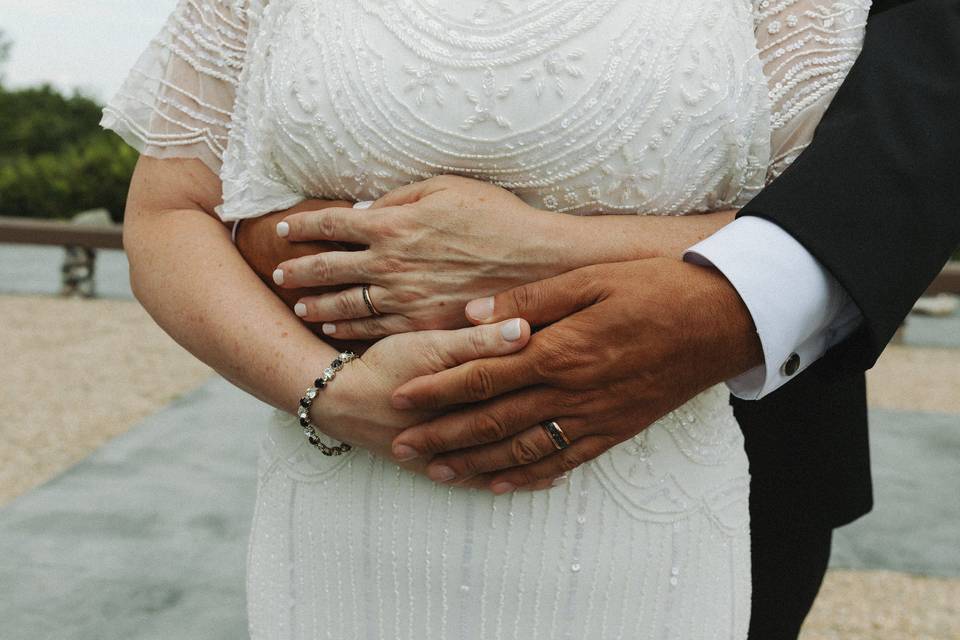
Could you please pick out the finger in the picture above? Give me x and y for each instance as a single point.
(334, 223)
(527, 447)
(323, 269)
(557, 464)
(408, 194)
(492, 421)
(471, 382)
(539, 303)
(452, 348)
(343, 305)
(368, 328)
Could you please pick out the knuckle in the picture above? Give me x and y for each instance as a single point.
(488, 428)
(478, 341)
(526, 478)
(469, 465)
(525, 298)
(556, 358)
(345, 305)
(432, 442)
(523, 452)
(479, 383)
(567, 402)
(370, 326)
(326, 225)
(320, 268)
(570, 459)
(390, 265)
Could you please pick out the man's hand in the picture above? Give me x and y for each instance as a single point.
(623, 345)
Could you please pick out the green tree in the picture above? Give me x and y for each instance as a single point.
(55, 160)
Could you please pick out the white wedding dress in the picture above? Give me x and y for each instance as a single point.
(578, 106)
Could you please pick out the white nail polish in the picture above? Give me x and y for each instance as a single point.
(278, 276)
(559, 482)
(300, 309)
(480, 310)
(283, 229)
(366, 204)
(329, 329)
(511, 331)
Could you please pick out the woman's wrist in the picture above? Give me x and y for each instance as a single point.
(552, 243)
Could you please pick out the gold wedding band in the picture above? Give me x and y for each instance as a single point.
(557, 436)
(367, 301)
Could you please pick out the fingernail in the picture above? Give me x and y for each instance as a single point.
(283, 229)
(278, 276)
(503, 487)
(366, 204)
(300, 309)
(559, 482)
(329, 329)
(402, 403)
(481, 309)
(441, 474)
(511, 330)
(403, 452)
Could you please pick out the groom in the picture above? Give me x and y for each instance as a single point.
(789, 306)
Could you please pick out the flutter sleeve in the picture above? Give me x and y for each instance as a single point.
(806, 47)
(178, 100)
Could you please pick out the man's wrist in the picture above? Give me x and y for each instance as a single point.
(727, 324)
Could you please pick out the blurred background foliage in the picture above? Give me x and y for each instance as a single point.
(55, 160)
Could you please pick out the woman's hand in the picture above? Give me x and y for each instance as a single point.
(356, 406)
(432, 247)
(258, 243)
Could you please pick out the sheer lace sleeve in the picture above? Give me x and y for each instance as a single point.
(179, 97)
(806, 48)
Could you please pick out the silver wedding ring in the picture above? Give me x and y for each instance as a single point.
(367, 301)
(557, 436)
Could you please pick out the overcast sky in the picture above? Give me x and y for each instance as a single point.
(86, 44)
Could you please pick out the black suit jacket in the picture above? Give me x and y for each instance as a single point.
(876, 198)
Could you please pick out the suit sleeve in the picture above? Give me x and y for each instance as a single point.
(875, 198)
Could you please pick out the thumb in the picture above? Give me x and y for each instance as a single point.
(453, 348)
(539, 303)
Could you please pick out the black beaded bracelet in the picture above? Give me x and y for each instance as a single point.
(303, 411)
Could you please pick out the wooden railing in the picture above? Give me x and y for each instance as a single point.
(91, 238)
(80, 240)
(60, 233)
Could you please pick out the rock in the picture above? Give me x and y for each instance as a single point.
(940, 306)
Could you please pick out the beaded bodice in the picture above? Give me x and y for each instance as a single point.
(579, 106)
(575, 105)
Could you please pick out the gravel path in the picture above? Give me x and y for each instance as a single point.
(75, 374)
(880, 605)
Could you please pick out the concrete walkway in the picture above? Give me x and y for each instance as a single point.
(146, 538)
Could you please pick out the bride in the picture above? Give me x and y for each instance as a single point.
(285, 114)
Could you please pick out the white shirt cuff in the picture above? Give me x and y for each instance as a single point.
(798, 307)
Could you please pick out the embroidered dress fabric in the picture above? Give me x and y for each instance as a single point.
(582, 107)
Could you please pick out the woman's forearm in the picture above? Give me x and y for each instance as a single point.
(621, 238)
(187, 274)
